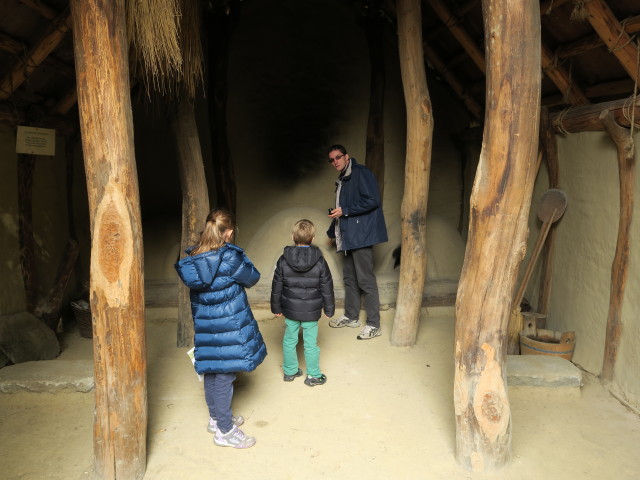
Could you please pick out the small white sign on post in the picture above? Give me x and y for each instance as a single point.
(37, 141)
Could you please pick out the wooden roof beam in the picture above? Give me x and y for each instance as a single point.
(433, 58)
(452, 23)
(559, 76)
(44, 10)
(12, 116)
(614, 36)
(586, 118)
(547, 6)
(617, 87)
(35, 56)
(631, 25)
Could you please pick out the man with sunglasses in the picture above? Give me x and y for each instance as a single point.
(358, 225)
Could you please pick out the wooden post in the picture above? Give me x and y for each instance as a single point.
(117, 287)
(549, 148)
(500, 203)
(195, 202)
(26, 165)
(413, 270)
(221, 23)
(375, 124)
(620, 266)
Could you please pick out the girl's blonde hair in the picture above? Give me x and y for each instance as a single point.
(212, 237)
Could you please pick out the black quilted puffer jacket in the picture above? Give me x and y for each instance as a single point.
(302, 285)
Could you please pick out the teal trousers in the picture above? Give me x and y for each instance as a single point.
(311, 349)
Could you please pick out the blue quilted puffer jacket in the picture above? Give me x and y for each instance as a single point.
(227, 338)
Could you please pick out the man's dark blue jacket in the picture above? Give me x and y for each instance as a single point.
(362, 222)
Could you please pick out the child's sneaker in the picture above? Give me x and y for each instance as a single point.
(234, 438)
(369, 332)
(291, 378)
(313, 381)
(212, 427)
(344, 322)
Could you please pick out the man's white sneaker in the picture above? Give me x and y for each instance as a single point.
(212, 427)
(344, 322)
(369, 332)
(233, 438)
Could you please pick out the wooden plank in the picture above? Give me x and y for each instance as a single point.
(413, 211)
(116, 284)
(500, 203)
(620, 266)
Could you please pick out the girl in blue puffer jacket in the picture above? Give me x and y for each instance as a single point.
(227, 339)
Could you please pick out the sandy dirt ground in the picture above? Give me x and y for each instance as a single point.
(385, 412)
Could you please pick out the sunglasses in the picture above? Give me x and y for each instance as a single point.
(336, 158)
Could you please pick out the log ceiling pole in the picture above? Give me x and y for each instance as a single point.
(549, 146)
(620, 266)
(631, 25)
(613, 35)
(36, 55)
(195, 202)
(37, 6)
(450, 20)
(413, 211)
(500, 203)
(474, 107)
(561, 78)
(586, 118)
(116, 272)
(547, 6)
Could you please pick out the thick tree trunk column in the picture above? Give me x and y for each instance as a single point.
(413, 268)
(195, 203)
(500, 203)
(620, 265)
(117, 286)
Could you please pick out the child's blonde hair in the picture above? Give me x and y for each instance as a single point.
(303, 232)
(213, 236)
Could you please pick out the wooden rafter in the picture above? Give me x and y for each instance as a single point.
(547, 6)
(555, 72)
(452, 23)
(631, 25)
(614, 36)
(36, 55)
(12, 116)
(433, 58)
(38, 6)
(561, 78)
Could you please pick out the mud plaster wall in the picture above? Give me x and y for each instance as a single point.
(299, 81)
(584, 250)
(49, 220)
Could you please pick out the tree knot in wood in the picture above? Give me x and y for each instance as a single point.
(491, 407)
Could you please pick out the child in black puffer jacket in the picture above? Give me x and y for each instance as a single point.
(302, 287)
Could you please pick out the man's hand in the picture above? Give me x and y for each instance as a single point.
(278, 314)
(335, 213)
